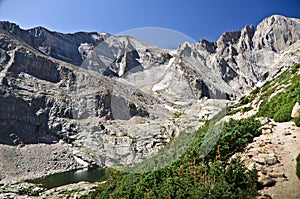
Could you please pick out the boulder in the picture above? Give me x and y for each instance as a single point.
(271, 160)
(268, 182)
(296, 110)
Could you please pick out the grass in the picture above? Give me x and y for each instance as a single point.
(178, 115)
(279, 106)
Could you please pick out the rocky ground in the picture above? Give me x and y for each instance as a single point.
(286, 145)
(20, 163)
(274, 153)
(36, 160)
(30, 191)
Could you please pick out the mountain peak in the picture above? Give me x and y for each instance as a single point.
(38, 64)
(277, 32)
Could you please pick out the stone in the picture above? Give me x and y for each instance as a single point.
(280, 142)
(36, 191)
(265, 196)
(296, 110)
(251, 166)
(266, 131)
(277, 175)
(271, 160)
(270, 28)
(263, 121)
(287, 132)
(264, 171)
(267, 141)
(260, 160)
(268, 182)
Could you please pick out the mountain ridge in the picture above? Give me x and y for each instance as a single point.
(89, 88)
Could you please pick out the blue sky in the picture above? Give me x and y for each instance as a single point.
(196, 18)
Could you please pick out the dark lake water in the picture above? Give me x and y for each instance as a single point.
(69, 177)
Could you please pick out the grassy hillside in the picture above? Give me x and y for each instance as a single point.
(280, 105)
(277, 97)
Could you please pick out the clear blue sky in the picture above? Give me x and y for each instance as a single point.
(196, 18)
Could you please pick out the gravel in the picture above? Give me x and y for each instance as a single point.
(32, 161)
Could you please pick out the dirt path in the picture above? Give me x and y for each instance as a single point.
(286, 143)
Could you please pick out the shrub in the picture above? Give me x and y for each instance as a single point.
(283, 114)
(297, 121)
(245, 100)
(246, 109)
(298, 166)
(178, 115)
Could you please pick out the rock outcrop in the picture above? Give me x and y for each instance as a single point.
(296, 110)
(113, 98)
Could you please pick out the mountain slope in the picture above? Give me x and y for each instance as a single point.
(92, 89)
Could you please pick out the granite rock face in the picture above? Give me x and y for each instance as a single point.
(57, 45)
(296, 110)
(276, 33)
(113, 98)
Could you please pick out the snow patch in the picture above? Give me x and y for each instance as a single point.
(171, 61)
(122, 69)
(102, 33)
(163, 84)
(173, 52)
(170, 108)
(260, 84)
(81, 161)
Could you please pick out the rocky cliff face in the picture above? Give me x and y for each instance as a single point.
(239, 60)
(113, 98)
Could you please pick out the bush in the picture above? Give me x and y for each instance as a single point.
(178, 115)
(297, 121)
(283, 114)
(298, 166)
(236, 135)
(246, 109)
(244, 100)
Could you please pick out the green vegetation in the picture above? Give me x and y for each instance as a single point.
(297, 121)
(284, 113)
(178, 115)
(298, 166)
(246, 109)
(279, 107)
(233, 110)
(194, 176)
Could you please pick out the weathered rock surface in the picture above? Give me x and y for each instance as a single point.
(296, 110)
(44, 99)
(89, 88)
(32, 161)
